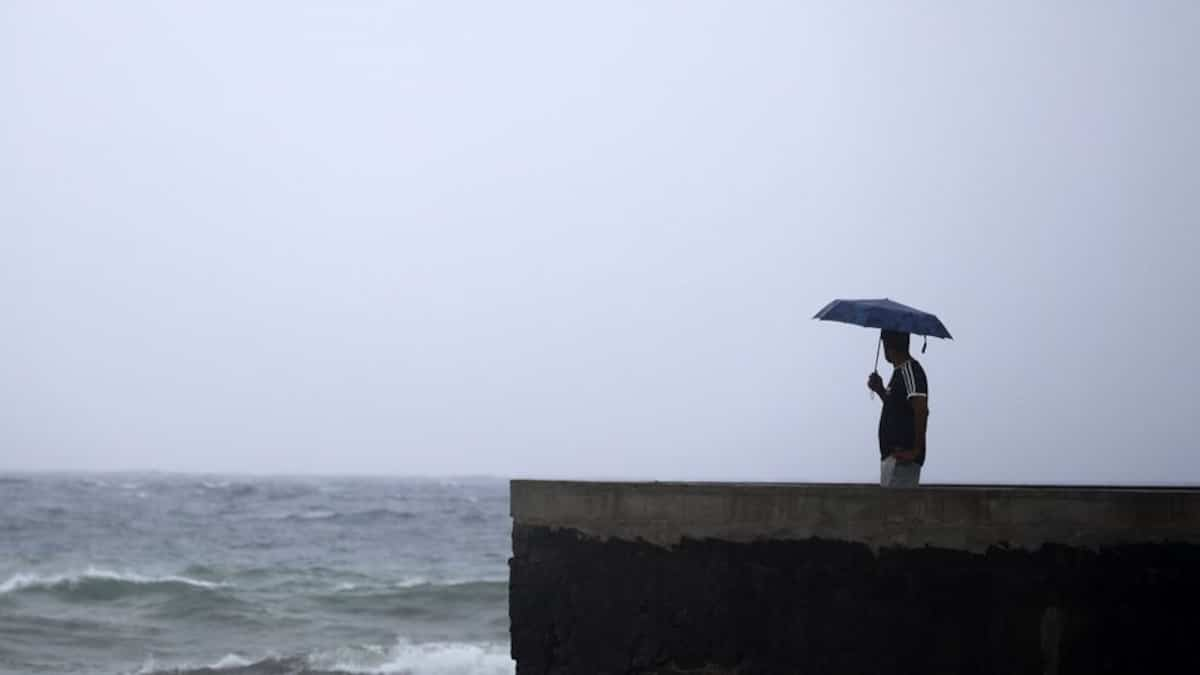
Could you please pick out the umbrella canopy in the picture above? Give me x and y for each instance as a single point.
(885, 314)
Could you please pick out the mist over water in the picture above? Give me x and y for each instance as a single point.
(150, 573)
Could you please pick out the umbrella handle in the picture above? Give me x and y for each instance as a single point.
(871, 395)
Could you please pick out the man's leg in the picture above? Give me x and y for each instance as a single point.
(886, 469)
(899, 474)
(906, 475)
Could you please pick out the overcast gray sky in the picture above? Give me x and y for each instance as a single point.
(586, 239)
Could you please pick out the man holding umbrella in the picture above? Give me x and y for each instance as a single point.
(906, 398)
(902, 421)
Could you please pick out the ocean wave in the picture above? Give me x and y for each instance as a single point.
(434, 658)
(240, 490)
(473, 517)
(404, 658)
(426, 583)
(231, 661)
(415, 597)
(226, 488)
(406, 582)
(353, 517)
(286, 491)
(317, 514)
(95, 582)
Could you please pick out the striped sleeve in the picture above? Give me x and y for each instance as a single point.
(914, 380)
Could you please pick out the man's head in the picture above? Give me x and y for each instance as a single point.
(895, 346)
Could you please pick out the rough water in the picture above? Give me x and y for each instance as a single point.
(147, 574)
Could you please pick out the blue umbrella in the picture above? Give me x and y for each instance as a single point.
(884, 314)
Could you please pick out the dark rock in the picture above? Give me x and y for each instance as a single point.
(581, 605)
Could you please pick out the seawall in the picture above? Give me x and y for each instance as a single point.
(764, 578)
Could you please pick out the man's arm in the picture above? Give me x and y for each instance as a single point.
(875, 384)
(920, 406)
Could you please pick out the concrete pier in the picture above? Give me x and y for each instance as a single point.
(774, 578)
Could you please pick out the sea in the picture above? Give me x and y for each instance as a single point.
(153, 574)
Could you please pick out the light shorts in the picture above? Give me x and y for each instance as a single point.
(899, 474)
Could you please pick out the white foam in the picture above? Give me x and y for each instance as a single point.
(403, 658)
(464, 581)
(431, 658)
(445, 582)
(22, 581)
(231, 661)
(227, 662)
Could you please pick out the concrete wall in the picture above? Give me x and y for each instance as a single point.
(737, 578)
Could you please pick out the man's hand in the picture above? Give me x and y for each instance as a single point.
(904, 456)
(875, 384)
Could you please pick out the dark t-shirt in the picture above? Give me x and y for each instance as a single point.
(897, 428)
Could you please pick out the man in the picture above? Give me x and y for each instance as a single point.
(904, 416)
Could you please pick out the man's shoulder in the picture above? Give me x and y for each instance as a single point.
(919, 382)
